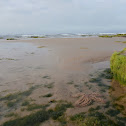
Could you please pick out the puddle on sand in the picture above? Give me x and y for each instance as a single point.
(24, 65)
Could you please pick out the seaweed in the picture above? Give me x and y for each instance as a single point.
(94, 118)
(31, 120)
(59, 110)
(32, 107)
(112, 112)
(15, 98)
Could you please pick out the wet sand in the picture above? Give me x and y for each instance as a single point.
(60, 66)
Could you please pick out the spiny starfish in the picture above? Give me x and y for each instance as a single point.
(87, 99)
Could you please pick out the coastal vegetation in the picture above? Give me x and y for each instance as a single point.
(37, 37)
(36, 118)
(39, 113)
(93, 118)
(110, 36)
(121, 41)
(11, 39)
(118, 66)
(12, 100)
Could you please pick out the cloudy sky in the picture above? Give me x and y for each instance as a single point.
(62, 16)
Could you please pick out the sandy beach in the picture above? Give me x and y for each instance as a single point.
(57, 66)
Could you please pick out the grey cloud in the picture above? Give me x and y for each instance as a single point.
(52, 16)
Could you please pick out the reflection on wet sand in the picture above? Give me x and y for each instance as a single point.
(39, 75)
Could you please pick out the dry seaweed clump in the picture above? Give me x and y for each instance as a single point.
(118, 66)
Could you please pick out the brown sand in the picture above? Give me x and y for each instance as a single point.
(24, 63)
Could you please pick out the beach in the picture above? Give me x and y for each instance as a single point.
(57, 68)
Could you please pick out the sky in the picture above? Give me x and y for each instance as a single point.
(62, 16)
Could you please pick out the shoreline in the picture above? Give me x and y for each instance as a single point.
(53, 70)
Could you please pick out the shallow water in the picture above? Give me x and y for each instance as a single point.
(56, 71)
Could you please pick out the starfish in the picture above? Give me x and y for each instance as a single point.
(87, 99)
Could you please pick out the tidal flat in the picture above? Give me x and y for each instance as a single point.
(40, 80)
